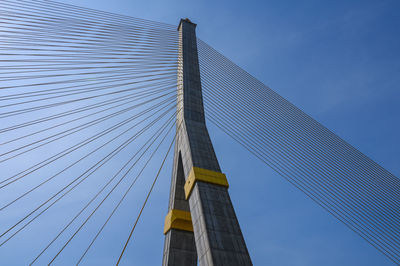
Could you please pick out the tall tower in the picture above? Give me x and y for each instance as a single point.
(201, 224)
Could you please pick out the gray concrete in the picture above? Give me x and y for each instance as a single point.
(217, 238)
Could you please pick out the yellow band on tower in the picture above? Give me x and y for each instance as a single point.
(204, 175)
(178, 219)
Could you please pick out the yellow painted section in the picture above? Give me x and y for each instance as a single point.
(204, 175)
(178, 219)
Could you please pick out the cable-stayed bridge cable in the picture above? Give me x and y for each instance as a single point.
(352, 187)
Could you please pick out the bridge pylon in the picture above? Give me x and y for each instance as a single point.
(201, 224)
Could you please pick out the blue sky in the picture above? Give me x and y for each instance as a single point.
(339, 61)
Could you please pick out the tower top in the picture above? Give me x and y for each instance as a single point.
(186, 20)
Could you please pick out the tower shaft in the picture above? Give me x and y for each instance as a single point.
(201, 224)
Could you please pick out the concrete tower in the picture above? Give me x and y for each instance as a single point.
(201, 225)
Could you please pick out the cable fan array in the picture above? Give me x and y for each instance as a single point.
(348, 184)
(87, 101)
